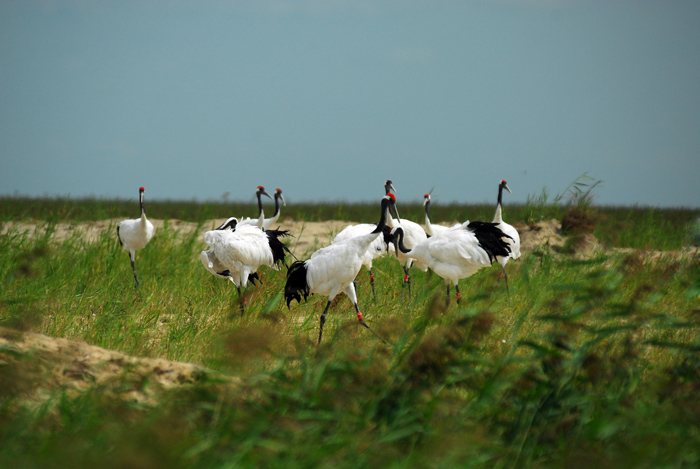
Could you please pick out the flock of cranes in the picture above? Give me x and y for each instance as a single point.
(238, 248)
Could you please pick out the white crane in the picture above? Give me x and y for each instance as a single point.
(376, 249)
(213, 265)
(414, 234)
(135, 234)
(332, 269)
(430, 229)
(459, 252)
(260, 191)
(236, 252)
(512, 233)
(268, 222)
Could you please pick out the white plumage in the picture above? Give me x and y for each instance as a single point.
(376, 249)
(268, 222)
(430, 229)
(457, 253)
(332, 269)
(236, 252)
(212, 263)
(241, 251)
(135, 234)
(514, 237)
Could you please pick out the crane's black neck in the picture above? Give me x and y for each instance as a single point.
(277, 204)
(398, 241)
(260, 205)
(230, 223)
(500, 194)
(386, 204)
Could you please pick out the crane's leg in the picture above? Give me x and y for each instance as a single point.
(459, 295)
(350, 291)
(371, 281)
(323, 321)
(407, 280)
(241, 300)
(447, 299)
(505, 275)
(132, 258)
(362, 322)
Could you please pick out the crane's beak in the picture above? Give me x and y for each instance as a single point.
(505, 186)
(396, 212)
(264, 192)
(283, 202)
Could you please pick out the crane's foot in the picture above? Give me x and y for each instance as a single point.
(407, 282)
(362, 322)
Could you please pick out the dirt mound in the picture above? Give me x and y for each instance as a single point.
(542, 233)
(33, 365)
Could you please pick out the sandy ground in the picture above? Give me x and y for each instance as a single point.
(306, 236)
(36, 364)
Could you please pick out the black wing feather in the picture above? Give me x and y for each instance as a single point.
(490, 238)
(296, 283)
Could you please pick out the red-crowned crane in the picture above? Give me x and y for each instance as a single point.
(135, 234)
(213, 265)
(459, 252)
(268, 222)
(376, 249)
(513, 237)
(430, 229)
(236, 252)
(414, 234)
(332, 269)
(261, 213)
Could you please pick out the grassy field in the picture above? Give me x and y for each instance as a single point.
(586, 363)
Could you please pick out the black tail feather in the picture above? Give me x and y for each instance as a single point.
(490, 238)
(296, 283)
(279, 249)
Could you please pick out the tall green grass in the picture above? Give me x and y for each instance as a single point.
(585, 363)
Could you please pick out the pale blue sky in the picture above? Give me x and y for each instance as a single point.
(327, 99)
